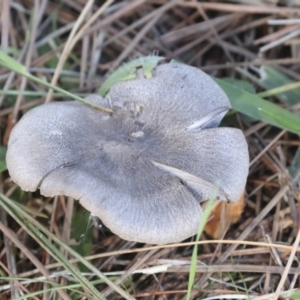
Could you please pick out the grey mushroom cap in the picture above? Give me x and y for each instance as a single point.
(143, 169)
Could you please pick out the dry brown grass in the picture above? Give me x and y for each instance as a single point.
(75, 45)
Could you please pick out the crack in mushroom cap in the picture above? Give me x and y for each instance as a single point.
(139, 170)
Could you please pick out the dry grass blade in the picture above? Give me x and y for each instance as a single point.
(11, 235)
(28, 58)
(245, 8)
(73, 38)
(67, 49)
(37, 232)
(145, 249)
(287, 269)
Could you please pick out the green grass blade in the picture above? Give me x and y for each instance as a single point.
(277, 83)
(40, 231)
(281, 120)
(13, 65)
(257, 108)
(26, 223)
(193, 267)
(55, 286)
(279, 90)
(73, 288)
(271, 79)
(240, 84)
(292, 294)
(34, 93)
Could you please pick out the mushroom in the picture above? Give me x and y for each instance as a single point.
(144, 169)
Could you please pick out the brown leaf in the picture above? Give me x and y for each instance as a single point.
(231, 213)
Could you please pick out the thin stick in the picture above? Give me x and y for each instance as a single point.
(267, 148)
(27, 60)
(72, 39)
(288, 267)
(234, 243)
(267, 9)
(14, 238)
(279, 41)
(67, 48)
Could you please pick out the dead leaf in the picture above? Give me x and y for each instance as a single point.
(231, 213)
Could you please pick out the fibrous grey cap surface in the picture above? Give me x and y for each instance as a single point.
(143, 169)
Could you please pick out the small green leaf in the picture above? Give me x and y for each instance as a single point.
(128, 71)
